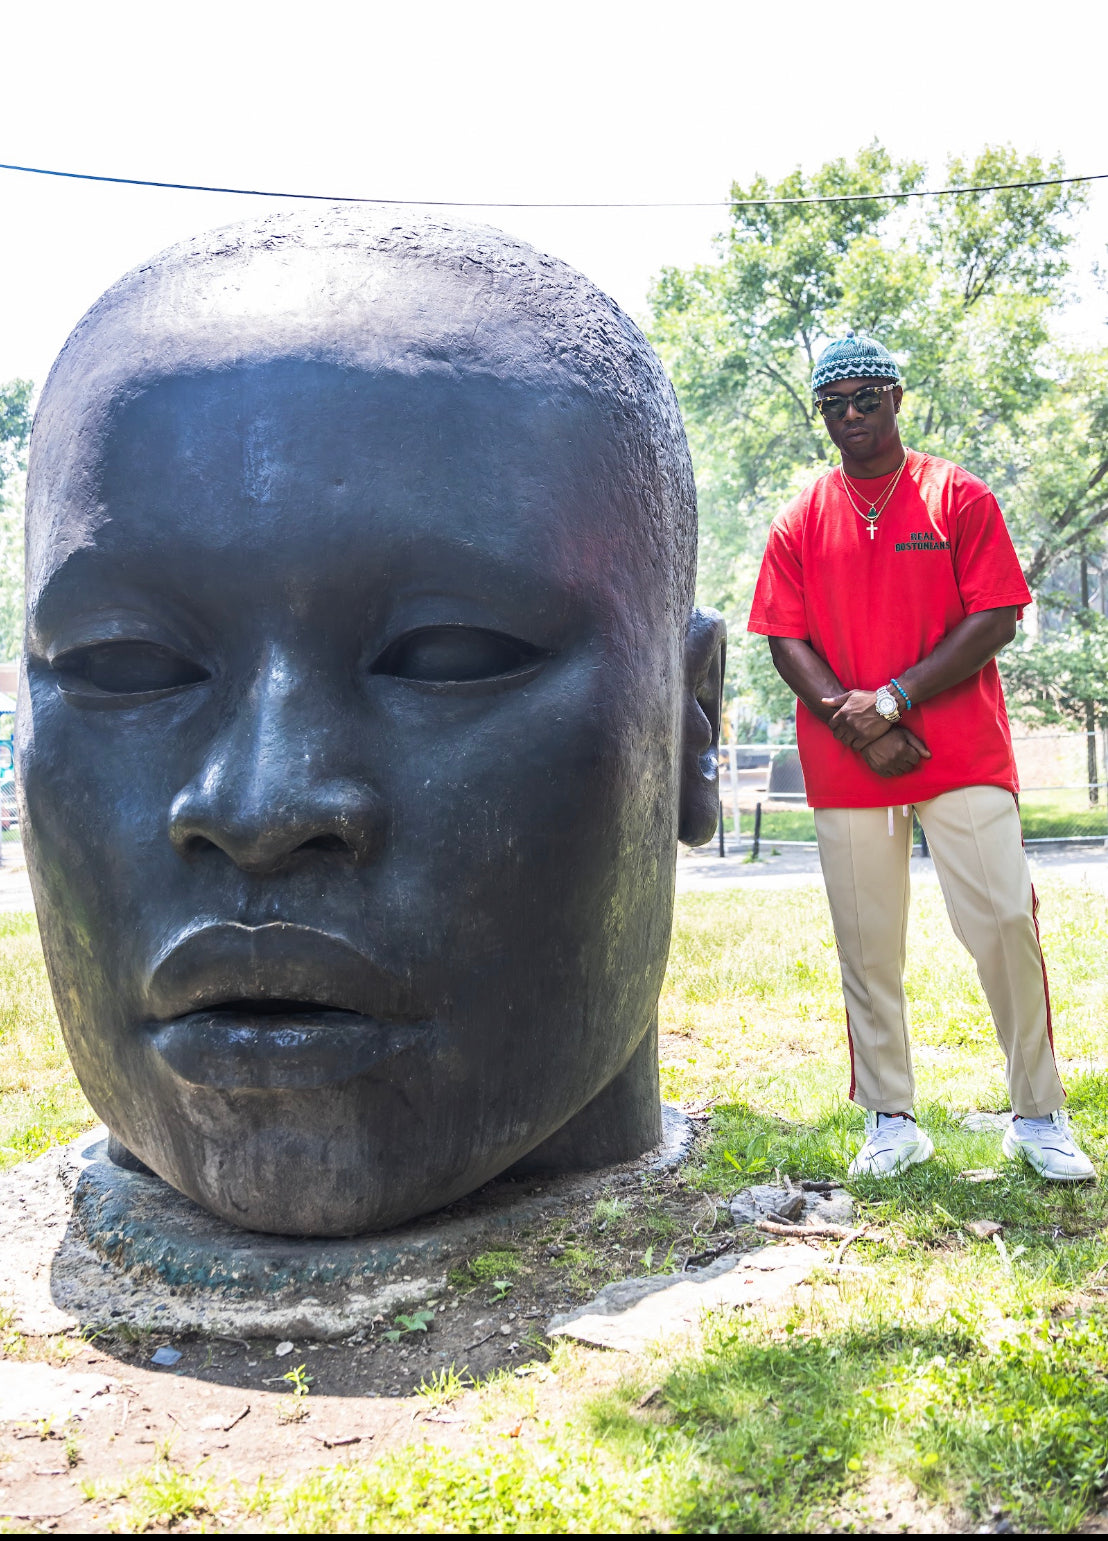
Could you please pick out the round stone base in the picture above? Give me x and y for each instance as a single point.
(95, 1245)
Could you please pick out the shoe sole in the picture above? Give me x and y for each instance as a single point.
(1021, 1154)
(923, 1152)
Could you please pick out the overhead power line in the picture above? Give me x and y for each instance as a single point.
(459, 203)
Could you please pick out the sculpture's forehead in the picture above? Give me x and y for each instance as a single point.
(348, 306)
(284, 336)
(299, 437)
(268, 423)
(300, 466)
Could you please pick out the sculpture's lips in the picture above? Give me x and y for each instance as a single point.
(276, 1007)
(232, 965)
(234, 1051)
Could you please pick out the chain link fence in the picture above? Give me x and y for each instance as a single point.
(1063, 793)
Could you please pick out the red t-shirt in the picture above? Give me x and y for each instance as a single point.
(874, 607)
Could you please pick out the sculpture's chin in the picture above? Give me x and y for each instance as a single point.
(291, 1183)
(377, 1154)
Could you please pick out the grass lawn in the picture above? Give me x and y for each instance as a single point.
(777, 824)
(937, 1381)
(1048, 815)
(40, 1101)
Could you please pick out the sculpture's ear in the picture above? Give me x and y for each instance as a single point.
(705, 652)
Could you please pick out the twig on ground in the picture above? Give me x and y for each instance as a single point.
(485, 1339)
(708, 1216)
(1091, 1280)
(699, 1111)
(701, 1259)
(786, 1228)
(818, 1185)
(847, 1241)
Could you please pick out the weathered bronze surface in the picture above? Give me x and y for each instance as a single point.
(363, 704)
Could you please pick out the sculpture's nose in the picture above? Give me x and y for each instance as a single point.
(277, 782)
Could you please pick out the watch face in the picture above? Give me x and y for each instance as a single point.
(885, 704)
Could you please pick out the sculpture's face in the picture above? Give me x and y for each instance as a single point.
(350, 755)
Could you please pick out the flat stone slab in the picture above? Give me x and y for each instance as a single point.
(634, 1312)
(762, 1199)
(89, 1244)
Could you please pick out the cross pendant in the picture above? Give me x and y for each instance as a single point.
(872, 517)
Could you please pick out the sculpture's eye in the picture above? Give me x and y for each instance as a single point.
(125, 669)
(455, 654)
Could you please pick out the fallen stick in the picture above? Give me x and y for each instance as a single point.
(485, 1339)
(786, 1228)
(702, 1259)
(840, 1251)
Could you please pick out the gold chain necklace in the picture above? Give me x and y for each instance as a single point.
(875, 510)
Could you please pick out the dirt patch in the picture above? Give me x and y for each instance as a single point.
(233, 1403)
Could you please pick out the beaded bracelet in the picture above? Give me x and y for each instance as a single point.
(904, 694)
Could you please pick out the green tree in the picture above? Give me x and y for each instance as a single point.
(1060, 679)
(960, 288)
(15, 430)
(1053, 464)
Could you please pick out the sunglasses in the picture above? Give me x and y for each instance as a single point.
(867, 400)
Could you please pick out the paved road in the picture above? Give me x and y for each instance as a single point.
(704, 870)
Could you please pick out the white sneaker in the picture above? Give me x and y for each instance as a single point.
(1047, 1145)
(893, 1143)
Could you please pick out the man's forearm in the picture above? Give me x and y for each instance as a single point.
(962, 652)
(854, 719)
(806, 674)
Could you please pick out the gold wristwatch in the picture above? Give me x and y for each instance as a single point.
(885, 705)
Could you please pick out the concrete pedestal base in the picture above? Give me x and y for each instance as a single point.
(88, 1244)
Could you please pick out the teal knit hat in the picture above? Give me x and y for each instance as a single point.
(853, 358)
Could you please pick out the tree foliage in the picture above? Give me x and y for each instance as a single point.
(1062, 680)
(960, 288)
(15, 430)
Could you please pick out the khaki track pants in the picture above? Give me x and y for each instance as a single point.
(976, 844)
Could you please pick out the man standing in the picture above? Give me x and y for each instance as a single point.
(886, 592)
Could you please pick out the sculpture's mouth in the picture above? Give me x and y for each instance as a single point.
(279, 1045)
(276, 1007)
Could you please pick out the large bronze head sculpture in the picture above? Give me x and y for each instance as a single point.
(363, 706)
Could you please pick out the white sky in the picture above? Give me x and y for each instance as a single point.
(500, 100)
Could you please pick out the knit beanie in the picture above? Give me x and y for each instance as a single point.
(853, 358)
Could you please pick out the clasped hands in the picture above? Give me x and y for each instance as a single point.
(887, 749)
